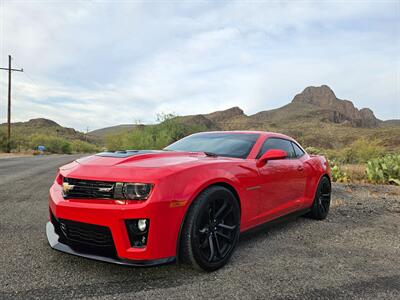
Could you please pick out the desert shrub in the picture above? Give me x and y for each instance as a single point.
(115, 141)
(359, 151)
(313, 150)
(83, 147)
(338, 175)
(3, 141)
(156, 136)
(53, 144)
(384, 170)
(354, 172)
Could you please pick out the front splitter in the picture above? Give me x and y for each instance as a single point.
(53, 238)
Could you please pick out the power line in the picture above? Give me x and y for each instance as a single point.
(9, 69)
(28, 76)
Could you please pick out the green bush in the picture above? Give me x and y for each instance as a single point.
(359, 151)
(152, 136)
(53, 144)
(313, 150)
(61, 145)
(3, 141)
(83, 147)
(338, 175)
(384, 170)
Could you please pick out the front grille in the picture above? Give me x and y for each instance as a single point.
(84, 237)
(79, 188)
(94, 235)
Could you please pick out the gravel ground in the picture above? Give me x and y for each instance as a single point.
(355, 253)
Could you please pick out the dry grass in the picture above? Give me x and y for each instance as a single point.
(356, 172)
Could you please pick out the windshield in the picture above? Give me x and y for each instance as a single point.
(222, 144)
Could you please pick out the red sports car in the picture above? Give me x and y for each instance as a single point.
(190, 200)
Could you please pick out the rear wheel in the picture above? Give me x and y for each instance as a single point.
(322, 200)
(211, 229)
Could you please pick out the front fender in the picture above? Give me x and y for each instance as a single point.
(189, 183)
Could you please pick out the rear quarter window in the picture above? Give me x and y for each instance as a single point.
(297, 150)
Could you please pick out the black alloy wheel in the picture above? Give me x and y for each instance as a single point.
(211, 229)
(322, 200)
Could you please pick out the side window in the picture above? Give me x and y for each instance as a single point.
(276, 143)
(297, 150)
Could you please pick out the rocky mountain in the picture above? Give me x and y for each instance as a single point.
(225, 115)
(336, 110)
(315, 117)
(317, 104)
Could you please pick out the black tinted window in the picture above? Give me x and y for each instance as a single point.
(223, 144)
(276, 143)
(297, 150)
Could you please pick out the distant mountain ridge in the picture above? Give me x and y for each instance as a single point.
(313, 103)
(337, 110)
(315, 116)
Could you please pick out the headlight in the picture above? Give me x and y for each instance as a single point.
(136, 191)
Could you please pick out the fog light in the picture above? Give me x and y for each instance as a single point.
(142, 224)
(138, 230)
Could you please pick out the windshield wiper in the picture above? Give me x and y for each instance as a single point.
(210, 154)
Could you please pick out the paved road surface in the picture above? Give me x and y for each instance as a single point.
(355, 253)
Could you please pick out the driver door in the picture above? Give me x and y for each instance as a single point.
(281, 180)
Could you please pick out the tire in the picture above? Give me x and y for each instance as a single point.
(322, 200)
(211, 229)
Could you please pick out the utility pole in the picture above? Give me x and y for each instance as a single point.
(9, 69)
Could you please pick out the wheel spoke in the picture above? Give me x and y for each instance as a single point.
(322, 206)
(213, 210)
(325, 201)
(218, 246)
(222, 208)
(226, 213)
(222, 225)
(216, 228)
(229, 239)
(211, 244)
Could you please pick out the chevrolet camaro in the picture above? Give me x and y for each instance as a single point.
(189, 201)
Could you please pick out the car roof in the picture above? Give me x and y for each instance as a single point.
(262, 133)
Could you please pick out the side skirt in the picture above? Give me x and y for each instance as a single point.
(275, 222)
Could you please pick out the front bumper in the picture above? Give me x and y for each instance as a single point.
(165, 222)
(54, 242)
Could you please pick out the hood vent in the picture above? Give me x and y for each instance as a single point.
(126, 153)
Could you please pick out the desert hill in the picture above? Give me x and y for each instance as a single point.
(315, 117)
(43, 126)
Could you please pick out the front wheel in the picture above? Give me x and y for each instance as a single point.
(322, 200)
(211, 230)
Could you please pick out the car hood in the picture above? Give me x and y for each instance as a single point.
(136, 165)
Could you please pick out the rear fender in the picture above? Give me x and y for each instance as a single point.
(319, 167)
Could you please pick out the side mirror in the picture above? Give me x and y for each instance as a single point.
(271, 154)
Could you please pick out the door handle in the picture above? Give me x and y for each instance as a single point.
(300, 168)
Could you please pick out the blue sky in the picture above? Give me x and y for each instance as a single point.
(95, 64)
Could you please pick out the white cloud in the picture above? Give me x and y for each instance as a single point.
(99, 64)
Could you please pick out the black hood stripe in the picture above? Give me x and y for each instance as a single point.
(127, 153)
